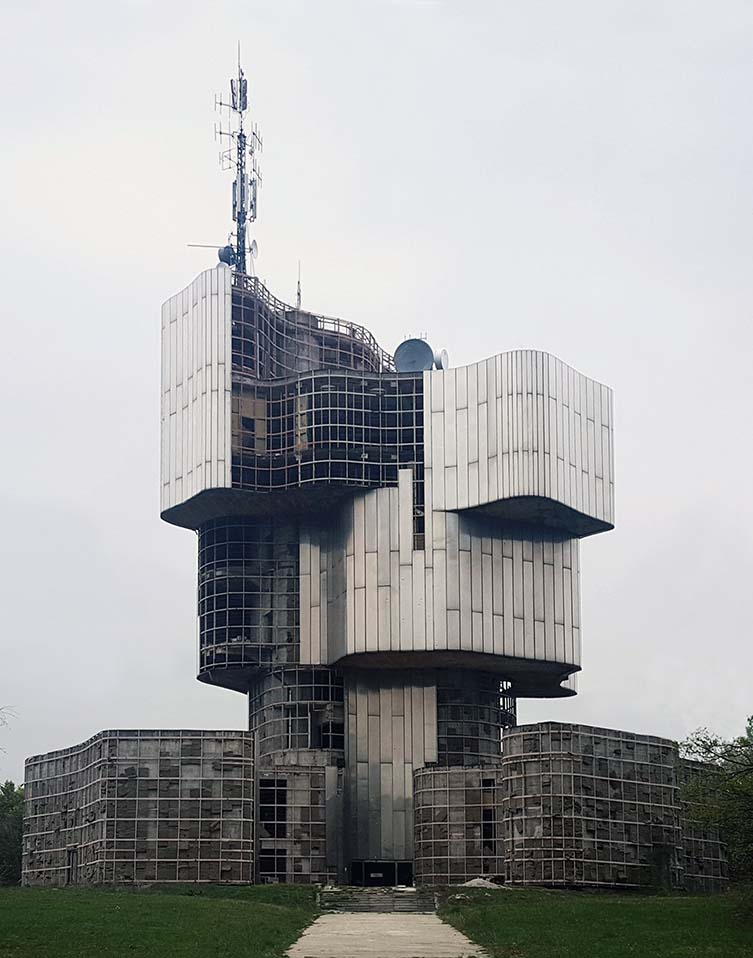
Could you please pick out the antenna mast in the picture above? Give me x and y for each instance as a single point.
(240, 155)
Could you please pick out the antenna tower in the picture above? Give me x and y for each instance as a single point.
(240, 155)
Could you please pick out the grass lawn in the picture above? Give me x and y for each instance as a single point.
(552, 924)
(158, 922)
(214, 921)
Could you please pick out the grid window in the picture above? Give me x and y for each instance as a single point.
(291, 832)
(248, 593)
(315, 400)
(137, 806)
(298, 708)
(554, 813)
(271, 340)
(591, 807)
(457, 832)
(472, 712)
(328, 427)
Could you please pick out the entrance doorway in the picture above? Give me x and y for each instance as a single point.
(384, 874)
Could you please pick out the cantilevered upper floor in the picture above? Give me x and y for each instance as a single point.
(267, 407)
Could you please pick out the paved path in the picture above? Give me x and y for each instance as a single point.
(382, 936)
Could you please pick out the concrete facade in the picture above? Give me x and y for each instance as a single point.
(407, 537)
(387, 561)
(458, 825)
(141, 806)
(563, 805)
(571, 806)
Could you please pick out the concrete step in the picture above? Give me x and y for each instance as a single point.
(377, 900)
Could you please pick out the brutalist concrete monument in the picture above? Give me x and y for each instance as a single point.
(388, 559)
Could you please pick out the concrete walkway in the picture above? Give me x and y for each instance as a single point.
(382, 936)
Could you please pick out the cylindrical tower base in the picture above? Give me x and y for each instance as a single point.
(397, 722)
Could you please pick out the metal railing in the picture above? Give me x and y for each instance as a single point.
(381, 360)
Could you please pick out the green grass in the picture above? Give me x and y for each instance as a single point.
(215, 921)
(185, 921)
(552, 924)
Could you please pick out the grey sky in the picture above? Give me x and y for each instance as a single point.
(574, 177)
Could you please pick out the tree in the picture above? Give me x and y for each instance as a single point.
(721, 792)
(7, 712)
(11, 821)
(11, 832)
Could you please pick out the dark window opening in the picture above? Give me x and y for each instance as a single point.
(488, 822)
(333, 735)
(273, 807)
(273, 865)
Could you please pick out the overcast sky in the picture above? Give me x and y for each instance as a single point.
(574, 177)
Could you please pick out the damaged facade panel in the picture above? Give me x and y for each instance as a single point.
(141, 806)
(458, 831)
(297, 716)
(298, 811)
(574, 806)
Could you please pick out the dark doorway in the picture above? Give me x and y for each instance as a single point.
(375, 874)
(71, 869)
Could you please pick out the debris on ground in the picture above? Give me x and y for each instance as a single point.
(483, 883)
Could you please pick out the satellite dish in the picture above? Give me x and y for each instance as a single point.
(254, 249)
(413, 355)
(226, 255)
(441, 359)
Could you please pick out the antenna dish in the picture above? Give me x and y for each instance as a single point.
(253, 249)
(441, 359)
(413, 356)
(226, 255)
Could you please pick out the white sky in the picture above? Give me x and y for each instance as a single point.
(574, 177)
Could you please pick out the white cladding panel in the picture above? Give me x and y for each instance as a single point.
(391, 731)
(196, 388)
(469, 589)
(519, 424)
